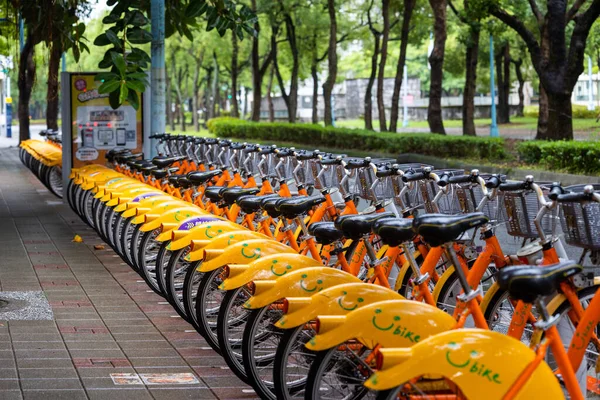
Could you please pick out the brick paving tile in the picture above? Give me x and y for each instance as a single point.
(106, 319)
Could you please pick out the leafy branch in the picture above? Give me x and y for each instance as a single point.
(127, 62)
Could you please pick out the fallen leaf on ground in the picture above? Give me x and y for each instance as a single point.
(77, 239)
(99, 247)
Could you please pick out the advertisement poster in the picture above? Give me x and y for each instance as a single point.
(96, 127)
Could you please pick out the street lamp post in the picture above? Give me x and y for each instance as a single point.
(494, 127)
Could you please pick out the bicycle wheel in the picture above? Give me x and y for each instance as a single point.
(175, 275)
(191, 283)
(230, 328)
(136, 241)
(126, 238)
(292, 362)
(339, 373)
(451, 288)
(586, 374)
(147, 253)
(499, 313)
(208, 301)
(162, 260)
(116, 234)
(259, 345)
(109, 221)
(55, 181)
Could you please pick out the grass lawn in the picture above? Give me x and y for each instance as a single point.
(525, 123)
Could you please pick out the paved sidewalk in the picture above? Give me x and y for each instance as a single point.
(102, 319)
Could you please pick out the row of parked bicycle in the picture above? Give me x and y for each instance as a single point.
(44, 159)
(320, 276)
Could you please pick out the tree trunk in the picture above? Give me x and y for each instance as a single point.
(215, 84)
(245, 102)
(235, 111)
(436, 59)
(560, 119)
(470, 83)
(195, 88)
(542, 128)
(501, 80)
(52, 95)
(315, 103)
(269, 96)
(25, 85)
(332, 61)
(256, 72)
(385, 10)
(521, 79)
(409, 6)
(293, 95)
(371, 82)
(169, 102)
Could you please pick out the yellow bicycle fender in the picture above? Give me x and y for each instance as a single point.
(303, 282)
(391, 323)
(404, 269)
(337, 300)
(137, 200)
(483, 364)
(270, 267)
(160, 207)
(245, 252)
(183, 238)
(441, 282)
(489, 294)
(112, 202)
(145, 205)
(219, 243)
(197, 220)
(179, 214)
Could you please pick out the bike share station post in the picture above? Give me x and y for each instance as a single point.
(91, 127)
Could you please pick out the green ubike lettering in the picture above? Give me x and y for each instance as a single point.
(359, 253)
(476, 367)
(581, 340)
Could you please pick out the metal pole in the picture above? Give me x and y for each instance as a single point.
(405, 85)
(591, 85)
(494, 127)
(158, 76)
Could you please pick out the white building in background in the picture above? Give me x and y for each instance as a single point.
(582, 90)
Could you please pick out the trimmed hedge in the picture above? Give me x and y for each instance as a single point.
(580, 112)
(575, 157)
(315, 136)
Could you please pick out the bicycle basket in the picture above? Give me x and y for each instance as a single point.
(428, 189)
(580, 221)
(521, 207)
(469, 197)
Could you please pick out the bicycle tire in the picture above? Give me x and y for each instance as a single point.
(193, 277)
(291, 346)
(207, 317)
(320, 367)
(176, 272)
(162, 260)
(264, 388)
(147, 267)
(229, 346)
